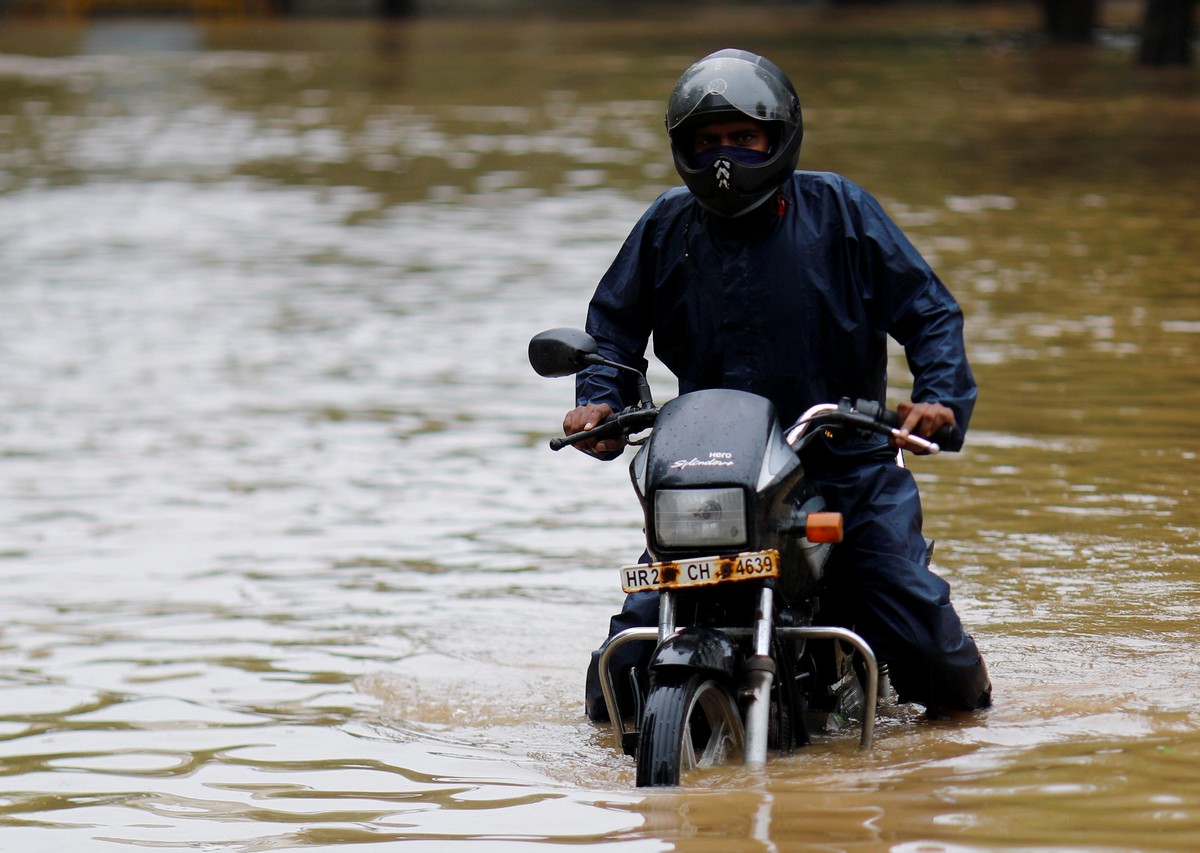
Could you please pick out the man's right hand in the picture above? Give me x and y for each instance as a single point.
(588, 417)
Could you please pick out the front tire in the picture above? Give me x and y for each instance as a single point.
(691, 720)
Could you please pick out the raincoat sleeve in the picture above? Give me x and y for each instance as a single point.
(919, 312)
(619, 318)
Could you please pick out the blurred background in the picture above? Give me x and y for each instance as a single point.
(286, 561)
(1167, 27)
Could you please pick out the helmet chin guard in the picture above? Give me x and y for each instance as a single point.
(726, 85)
(722, 168)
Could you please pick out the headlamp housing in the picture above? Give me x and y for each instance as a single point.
(700, 518)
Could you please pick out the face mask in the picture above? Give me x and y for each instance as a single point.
(745, 156)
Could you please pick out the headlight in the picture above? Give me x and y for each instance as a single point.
(686, 518)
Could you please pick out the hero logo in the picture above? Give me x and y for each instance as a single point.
(722, 167)
(716, 459)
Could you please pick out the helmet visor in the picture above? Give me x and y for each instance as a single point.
(721, 83)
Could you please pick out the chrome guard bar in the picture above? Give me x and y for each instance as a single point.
(629, 635)
(868, 656)
(607, 687)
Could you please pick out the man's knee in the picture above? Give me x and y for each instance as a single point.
(640, 610)
(943, 679)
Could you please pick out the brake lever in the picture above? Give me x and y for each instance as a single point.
(915, 442)
(632, 419)
(599, 431)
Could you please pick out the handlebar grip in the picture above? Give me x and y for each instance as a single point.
(607, 427)
(949, 438)
(877, 412)
(574, 438)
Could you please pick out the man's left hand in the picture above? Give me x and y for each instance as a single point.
(923, 419)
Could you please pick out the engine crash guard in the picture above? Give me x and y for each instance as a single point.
(630, 635)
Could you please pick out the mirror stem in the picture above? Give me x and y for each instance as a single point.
(645, 401)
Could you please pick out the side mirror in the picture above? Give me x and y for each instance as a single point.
(561, 352)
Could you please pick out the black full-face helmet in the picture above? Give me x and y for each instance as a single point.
(732, 84)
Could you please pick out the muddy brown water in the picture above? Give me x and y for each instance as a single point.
(286, 562)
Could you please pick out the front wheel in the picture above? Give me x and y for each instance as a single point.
(690, 721)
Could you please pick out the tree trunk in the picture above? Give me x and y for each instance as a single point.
(1070, 20)
(1167, 32)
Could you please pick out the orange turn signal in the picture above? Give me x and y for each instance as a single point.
(823, 527)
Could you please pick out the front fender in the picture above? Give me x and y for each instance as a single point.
(699, 648)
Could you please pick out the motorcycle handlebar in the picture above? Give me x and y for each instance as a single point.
(948, 437)
(574, 438)
(865, 412)
(622, 423)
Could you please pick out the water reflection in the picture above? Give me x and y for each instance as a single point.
(288, 563)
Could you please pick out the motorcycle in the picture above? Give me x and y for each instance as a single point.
(738, 541)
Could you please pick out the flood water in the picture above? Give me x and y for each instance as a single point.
(287, 564)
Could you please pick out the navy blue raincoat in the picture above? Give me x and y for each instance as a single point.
(798, 310)
(795, 302)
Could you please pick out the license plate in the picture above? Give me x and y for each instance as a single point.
(703, 571)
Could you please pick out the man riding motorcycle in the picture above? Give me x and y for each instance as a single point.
(787, 284)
